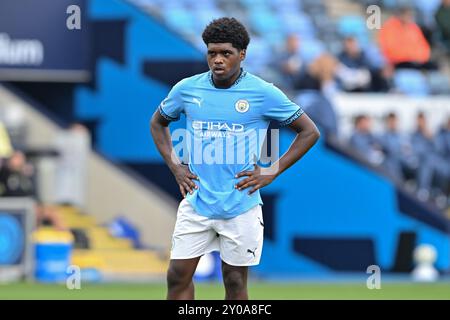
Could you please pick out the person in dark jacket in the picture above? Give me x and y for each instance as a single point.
(442, 16)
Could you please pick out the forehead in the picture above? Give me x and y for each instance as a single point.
(221, 46)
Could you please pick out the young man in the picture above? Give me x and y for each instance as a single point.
(221, 209)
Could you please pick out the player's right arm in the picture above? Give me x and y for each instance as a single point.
(169, 110)
(159, 127)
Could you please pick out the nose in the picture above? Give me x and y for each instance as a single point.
(218, 60)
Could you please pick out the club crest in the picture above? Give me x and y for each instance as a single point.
(242, 106)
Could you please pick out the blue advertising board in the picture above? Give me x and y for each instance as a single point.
(44, 40)
(16, 224)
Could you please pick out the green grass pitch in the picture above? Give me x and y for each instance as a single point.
(258, 290)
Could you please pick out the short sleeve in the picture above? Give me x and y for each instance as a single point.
(172, 106)
(278, 107)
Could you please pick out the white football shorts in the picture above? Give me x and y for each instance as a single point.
(239, 240)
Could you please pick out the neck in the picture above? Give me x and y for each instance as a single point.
(223, 84)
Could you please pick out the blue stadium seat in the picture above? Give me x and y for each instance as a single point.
(374, 55)
(145, 2)
(311, 49)
(171, 5)
(439, 82)
(411, 82)
(264, 21)
(205, 16)
(258, 55)
(180, 20)
(298, 23)
(274, 39)
(391, 4)
(202, 5)
(286, 5)
(427, 8)
(354, 26)
(154, 4)
(250, 4)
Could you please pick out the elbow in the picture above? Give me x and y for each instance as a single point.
(315, 134)
(157, 123)
(153, 124)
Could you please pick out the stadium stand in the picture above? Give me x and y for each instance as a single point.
(319, 25)
(115, 258)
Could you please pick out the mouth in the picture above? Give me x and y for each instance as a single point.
(219, 70)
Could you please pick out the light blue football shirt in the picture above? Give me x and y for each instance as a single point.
(225, 132)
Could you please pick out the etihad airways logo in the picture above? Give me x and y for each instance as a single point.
(217, 126)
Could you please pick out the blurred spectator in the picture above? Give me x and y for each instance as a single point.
(73, 146)
(442, 161)
(403, 43)
(422, 138)
(321, 110)
(422, 141)
(317, 86)
(443, 23)
(289, 62)
(17, 179)
(14, 120)
(399, 156)
(443, 141)
(320, 75)
(352, 57)
(363, 76)
(6, 149)
(365, 143)
(326, 71)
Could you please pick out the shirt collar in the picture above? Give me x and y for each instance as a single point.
(242, 74)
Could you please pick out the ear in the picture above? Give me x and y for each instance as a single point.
(242, 54)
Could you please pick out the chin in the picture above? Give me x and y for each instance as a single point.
(222, 77)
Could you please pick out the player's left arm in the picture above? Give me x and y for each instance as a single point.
(307, 136)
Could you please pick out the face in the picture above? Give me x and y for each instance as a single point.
(224, 61)
(364, 124)
(292, 43)
(392, 123)
(421, 122)
(351, 46)
(17, 161)
(407, 16)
